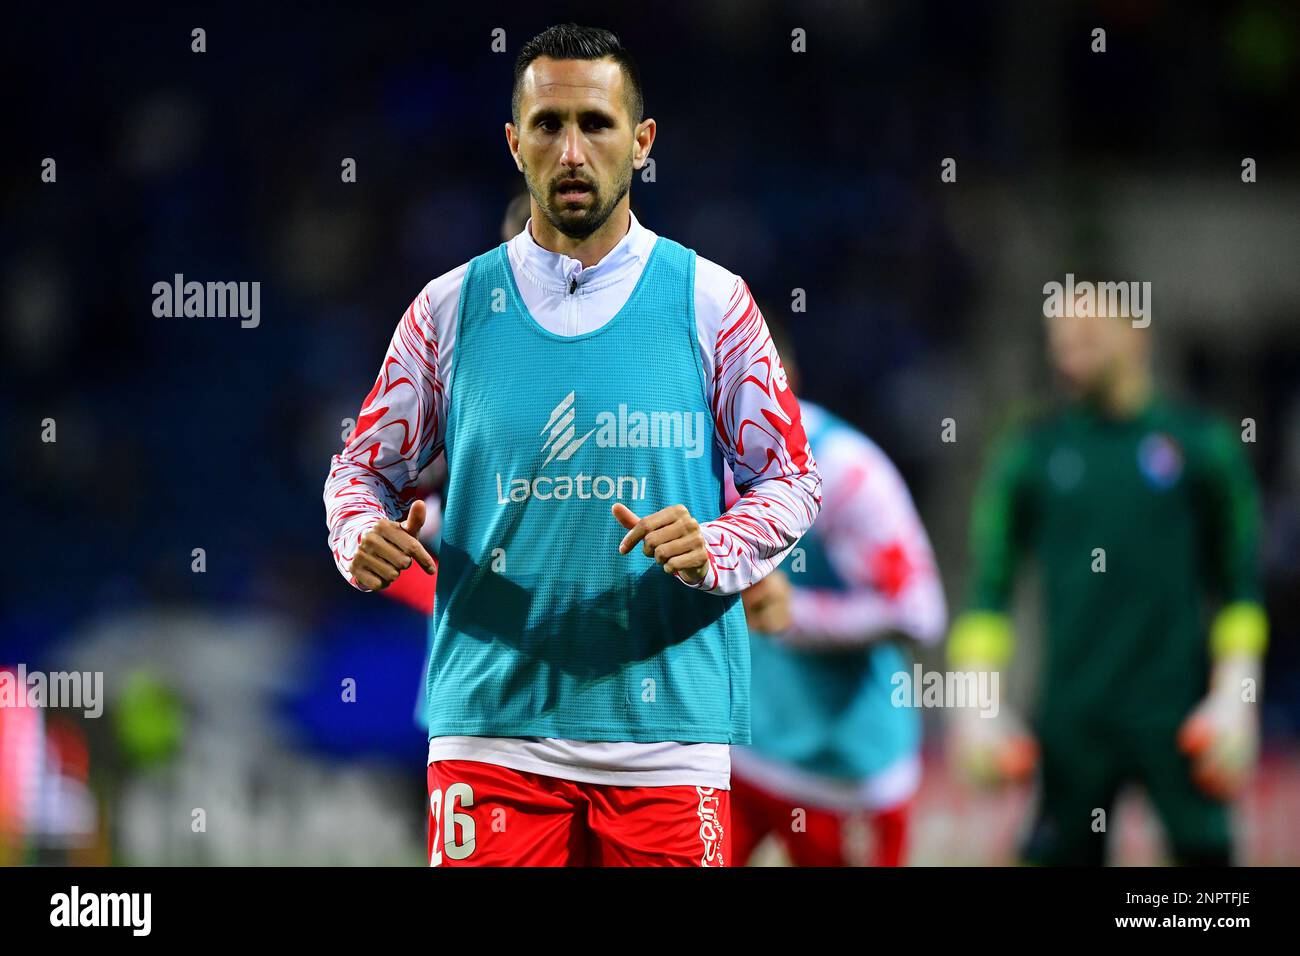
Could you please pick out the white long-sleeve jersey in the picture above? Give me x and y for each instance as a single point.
(757, 424)
(876, 542)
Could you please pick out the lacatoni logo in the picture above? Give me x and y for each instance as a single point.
(562, 442)
(619, 428)
(74, 908)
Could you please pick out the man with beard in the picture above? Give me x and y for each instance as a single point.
(589, 382)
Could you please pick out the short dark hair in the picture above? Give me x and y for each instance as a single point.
(568, 41)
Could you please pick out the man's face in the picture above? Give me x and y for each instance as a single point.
(1087, 351)
(576, 142)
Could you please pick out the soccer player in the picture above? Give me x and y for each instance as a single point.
(1140, 513)
(590, 382)
(831, 758)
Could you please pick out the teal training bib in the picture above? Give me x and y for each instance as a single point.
(541, 628)
(829, 714)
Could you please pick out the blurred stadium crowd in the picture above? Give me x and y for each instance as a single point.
(816, 172)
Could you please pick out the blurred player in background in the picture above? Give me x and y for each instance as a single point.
(581, 698)
(1141, 515)
(831, 756)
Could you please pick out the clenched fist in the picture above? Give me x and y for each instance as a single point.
(670, 536)
(388, 549)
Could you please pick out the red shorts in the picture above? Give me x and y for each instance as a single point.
(814, 836)
(484, 815)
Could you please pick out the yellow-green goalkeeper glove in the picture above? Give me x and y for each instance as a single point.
(1222, 734)
(986, 749)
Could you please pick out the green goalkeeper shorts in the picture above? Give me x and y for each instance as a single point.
(1086, 762)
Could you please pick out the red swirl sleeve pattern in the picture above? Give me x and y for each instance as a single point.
(399, 430)
(760, 431)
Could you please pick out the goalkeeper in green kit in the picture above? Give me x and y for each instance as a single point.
(1142, 518)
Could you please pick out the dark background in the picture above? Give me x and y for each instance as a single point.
(816, 171)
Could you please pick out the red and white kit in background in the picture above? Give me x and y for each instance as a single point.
(874, 538)
(400, 429)
(863, 836)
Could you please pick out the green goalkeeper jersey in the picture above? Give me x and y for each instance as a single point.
(1139, 528)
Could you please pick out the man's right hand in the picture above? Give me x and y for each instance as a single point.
(388, 548)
